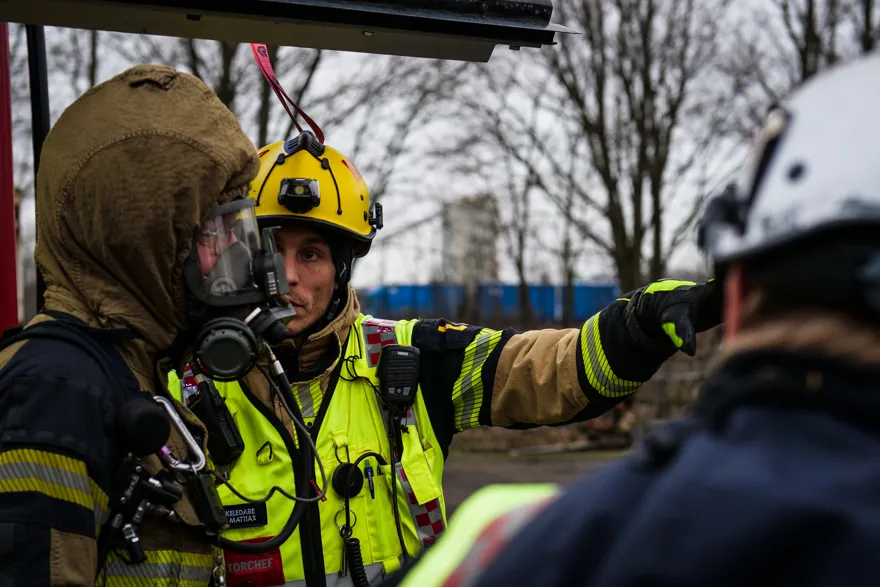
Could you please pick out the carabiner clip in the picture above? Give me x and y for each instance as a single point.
(194, 449)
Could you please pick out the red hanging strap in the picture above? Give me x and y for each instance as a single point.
(261, 54)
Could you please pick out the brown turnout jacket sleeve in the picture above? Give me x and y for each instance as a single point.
(473, 376)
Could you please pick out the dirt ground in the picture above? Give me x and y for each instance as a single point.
(466, 472)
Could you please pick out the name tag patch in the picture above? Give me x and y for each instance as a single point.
(248, 515)
(254, 570)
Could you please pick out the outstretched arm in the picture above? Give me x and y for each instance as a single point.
(549, 377)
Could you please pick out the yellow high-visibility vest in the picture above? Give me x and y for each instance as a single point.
(354, 423)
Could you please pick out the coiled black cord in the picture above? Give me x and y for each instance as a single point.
(356, 563)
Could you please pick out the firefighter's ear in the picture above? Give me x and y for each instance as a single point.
(734, 294)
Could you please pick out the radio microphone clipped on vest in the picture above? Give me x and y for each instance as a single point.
(225, 443)
(398, 374)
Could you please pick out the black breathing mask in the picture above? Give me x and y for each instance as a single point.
(235, 281)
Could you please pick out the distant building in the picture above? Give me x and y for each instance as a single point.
(470, 230)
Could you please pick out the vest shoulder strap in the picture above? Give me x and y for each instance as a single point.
(377, 333)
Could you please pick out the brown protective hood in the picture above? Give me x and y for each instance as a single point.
(127, 174)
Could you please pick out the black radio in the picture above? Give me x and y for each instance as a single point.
(225, 443)
(398, 374)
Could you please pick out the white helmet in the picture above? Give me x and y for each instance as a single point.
(815, 167)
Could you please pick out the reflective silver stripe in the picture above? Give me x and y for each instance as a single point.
(374, 576)
(159, 571)
(304, 393)
(68, 479)
(599, 372)
(409, 419)
(55, 475)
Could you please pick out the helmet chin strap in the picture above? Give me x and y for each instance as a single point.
(342, 252)
(340, 296)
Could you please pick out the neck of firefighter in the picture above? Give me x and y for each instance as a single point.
(825, 332)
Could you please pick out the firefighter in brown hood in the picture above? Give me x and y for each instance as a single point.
(129, 173)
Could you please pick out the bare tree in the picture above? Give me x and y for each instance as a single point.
(568, 253)
(375, 109)
(399, 102)
(221, 65)
(785, 43)
(866, 19)
(380, 106)
(69, 54)
(517, 231)
(21, 113)
(625, 101)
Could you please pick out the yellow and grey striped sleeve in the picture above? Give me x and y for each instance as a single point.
(51, 513)
(456, 373)
(59, 482)
(560, 376)
(597, 372)
(55, 473)
(526, 379)
(469, 390)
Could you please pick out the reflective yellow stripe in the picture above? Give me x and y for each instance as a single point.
(162, 567)
(54, 475)
(596, 366)
(667, 285)
(467, 393)
(445, 327)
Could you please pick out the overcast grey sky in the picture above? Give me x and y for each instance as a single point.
(420, 187)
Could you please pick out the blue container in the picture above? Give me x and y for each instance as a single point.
(498, 301)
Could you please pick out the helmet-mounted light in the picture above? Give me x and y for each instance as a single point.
(299, 195)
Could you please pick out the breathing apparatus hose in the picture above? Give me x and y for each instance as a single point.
(282, 387)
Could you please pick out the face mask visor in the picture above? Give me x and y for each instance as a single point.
(225, 249)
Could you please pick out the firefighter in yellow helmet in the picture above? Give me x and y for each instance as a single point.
(382, 399)
(317, 190)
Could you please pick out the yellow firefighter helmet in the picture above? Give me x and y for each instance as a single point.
(302, 180)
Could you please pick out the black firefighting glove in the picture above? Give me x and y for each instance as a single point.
(666, 315)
